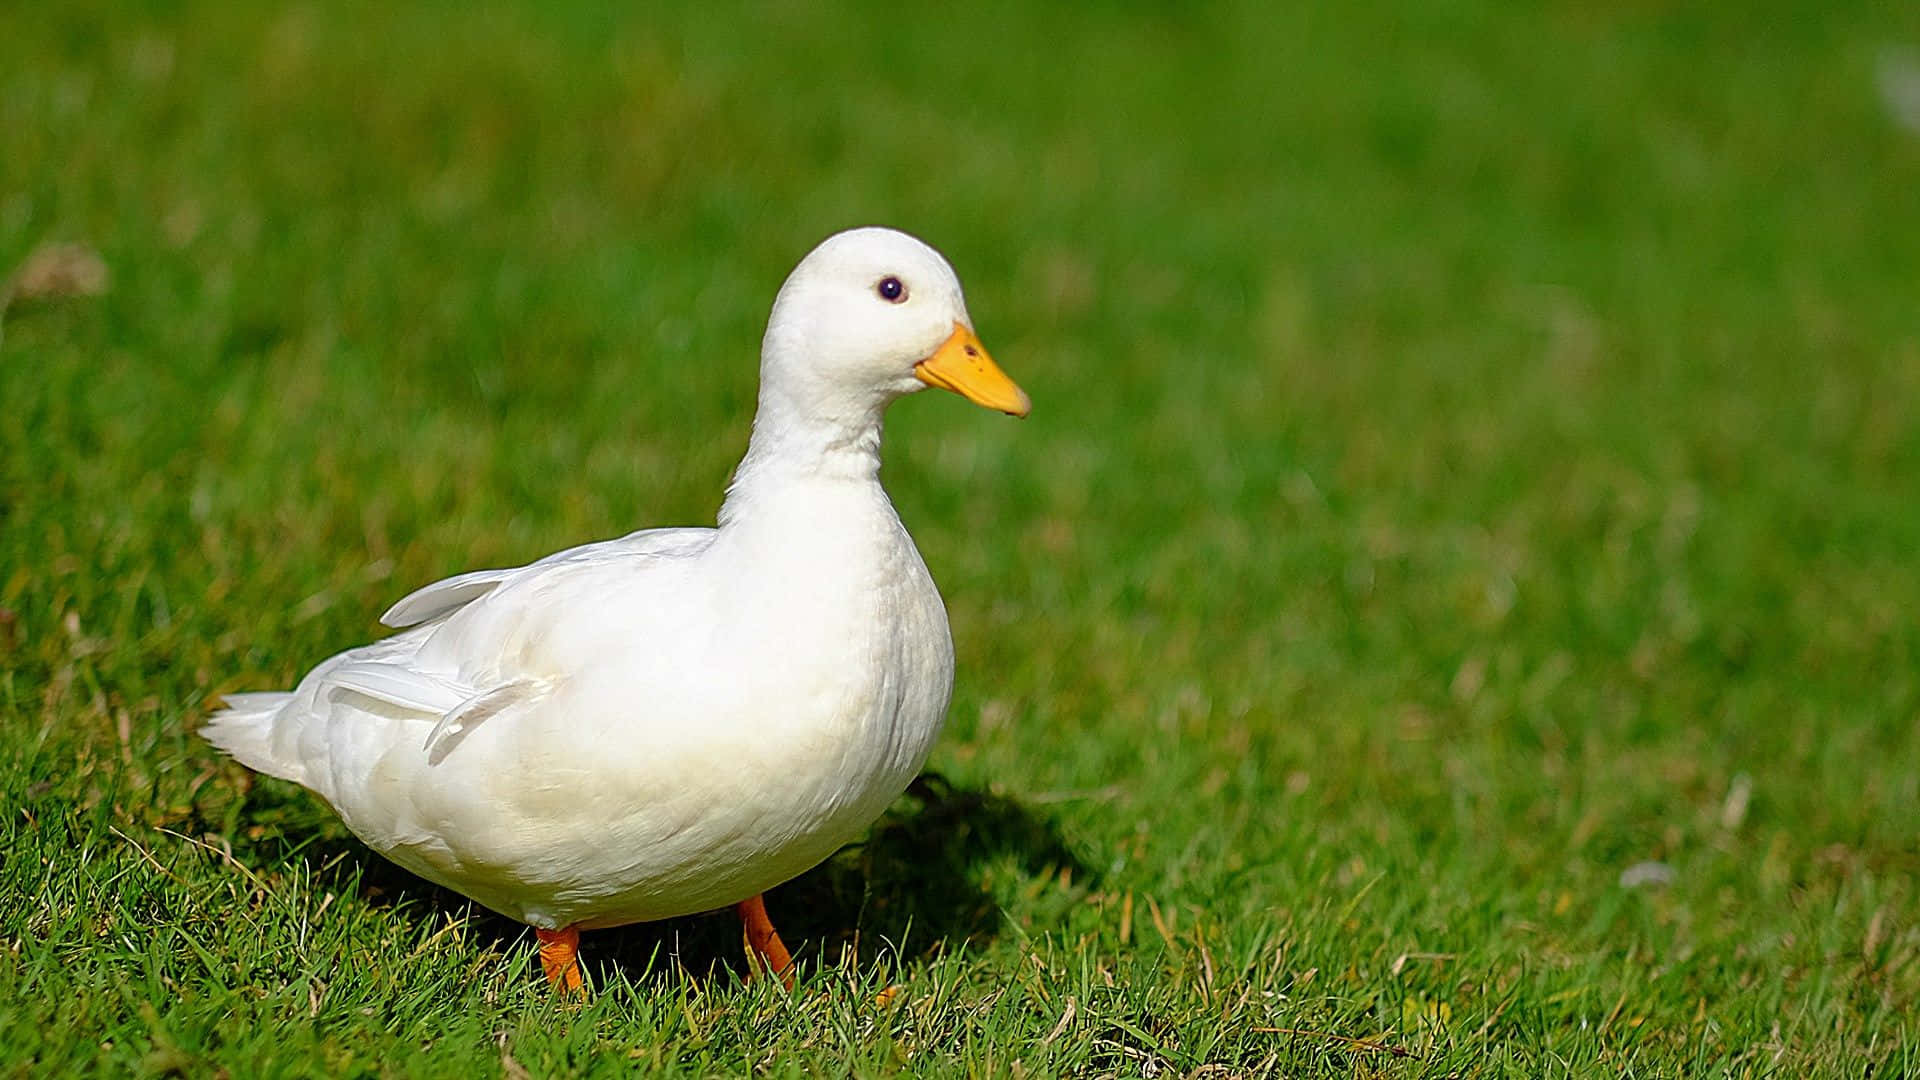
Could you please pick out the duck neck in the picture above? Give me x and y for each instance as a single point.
(797, 444)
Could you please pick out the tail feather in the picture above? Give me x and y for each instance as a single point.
(245, 731)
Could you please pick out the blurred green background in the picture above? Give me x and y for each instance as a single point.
(1476, 454)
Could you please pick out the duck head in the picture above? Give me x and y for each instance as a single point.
(871, 315)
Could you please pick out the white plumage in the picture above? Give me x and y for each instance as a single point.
(681, 718)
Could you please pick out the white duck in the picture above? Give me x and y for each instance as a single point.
(680, 719)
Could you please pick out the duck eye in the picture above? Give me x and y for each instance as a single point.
(891, 290)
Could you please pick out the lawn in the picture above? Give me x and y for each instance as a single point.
(1452, 611)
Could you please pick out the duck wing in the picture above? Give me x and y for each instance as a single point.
(451, 594)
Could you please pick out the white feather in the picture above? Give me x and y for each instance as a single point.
(469, 713)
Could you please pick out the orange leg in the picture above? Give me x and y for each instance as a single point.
(560, 958)
(763, 941)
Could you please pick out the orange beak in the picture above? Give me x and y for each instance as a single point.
(961, 364)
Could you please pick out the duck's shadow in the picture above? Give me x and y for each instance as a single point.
(920, 882)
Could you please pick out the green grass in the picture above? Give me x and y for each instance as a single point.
(1476, 450)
